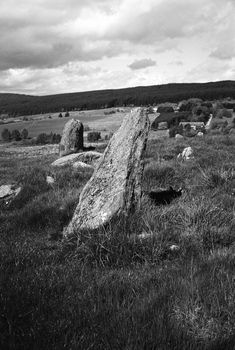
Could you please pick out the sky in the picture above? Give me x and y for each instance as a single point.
(58, 46)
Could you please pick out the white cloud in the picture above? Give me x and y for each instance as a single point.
(45, 44)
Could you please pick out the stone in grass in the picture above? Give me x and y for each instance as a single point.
(72, 138)
(8, 193)
(178, 136)
(187, 154)
(89, 157)
(50, 180)
(83, 166)
(115, 186)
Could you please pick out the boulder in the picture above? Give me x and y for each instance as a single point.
(89, 157)
(115, 186)
(200, 134)
(178, 136)
(72, 138)
(174, 248)
(50, 180)
(5, 191)
(187, 154)
(82, 165)
(8, 192)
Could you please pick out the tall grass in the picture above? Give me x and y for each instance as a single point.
(122, 286)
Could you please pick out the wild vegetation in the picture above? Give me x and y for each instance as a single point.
(116, 290)
(15, 135)
(16, 105)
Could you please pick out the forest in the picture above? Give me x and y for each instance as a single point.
(15, 105)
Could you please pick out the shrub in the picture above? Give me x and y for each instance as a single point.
(6, 135)
(86, 128)
(24, 134)
(15, 135)
(60, 115)
(175, 130)
(66, 114)
(43, 139)
(93, 136)
(165, 109)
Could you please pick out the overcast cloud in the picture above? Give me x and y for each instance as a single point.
(53, 46)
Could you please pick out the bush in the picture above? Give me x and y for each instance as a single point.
(60, 115)
(86, 128)
(43, 139)
(15, 135)
(165, 109)
(6, 135)
(66, 114)
(93, 136)
(172, 131)
(175, 130)
(24, 134)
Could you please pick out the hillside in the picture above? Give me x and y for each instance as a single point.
(16, 104)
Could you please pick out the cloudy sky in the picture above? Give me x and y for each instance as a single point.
(54, 46)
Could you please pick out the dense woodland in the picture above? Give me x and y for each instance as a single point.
(17, 105)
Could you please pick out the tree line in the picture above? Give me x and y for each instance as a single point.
(17, 105)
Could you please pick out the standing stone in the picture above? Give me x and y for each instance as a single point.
(115, 186)
(72, 137)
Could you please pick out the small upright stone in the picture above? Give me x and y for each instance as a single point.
(72, 138)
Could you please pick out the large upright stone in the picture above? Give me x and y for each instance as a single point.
(115, 186)
(72, 137)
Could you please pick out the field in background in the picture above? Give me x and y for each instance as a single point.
(95, 119)
(114, 290)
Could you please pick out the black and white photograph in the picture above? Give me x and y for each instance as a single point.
(117, 175)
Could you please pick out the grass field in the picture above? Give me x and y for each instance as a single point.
(114, 290)
(95, 119)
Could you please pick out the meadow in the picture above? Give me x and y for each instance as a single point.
(115, 290)
(46, 123)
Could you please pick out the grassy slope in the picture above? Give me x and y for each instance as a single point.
(115, 292)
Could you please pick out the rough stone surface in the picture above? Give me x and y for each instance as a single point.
(72, 138)
(115, 186)
(82, 165)
(187, 154)
(200, 134)
(178, 136)
(89, 157)
(50, 180)
(8, 192)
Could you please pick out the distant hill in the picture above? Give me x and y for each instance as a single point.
(17, 104)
